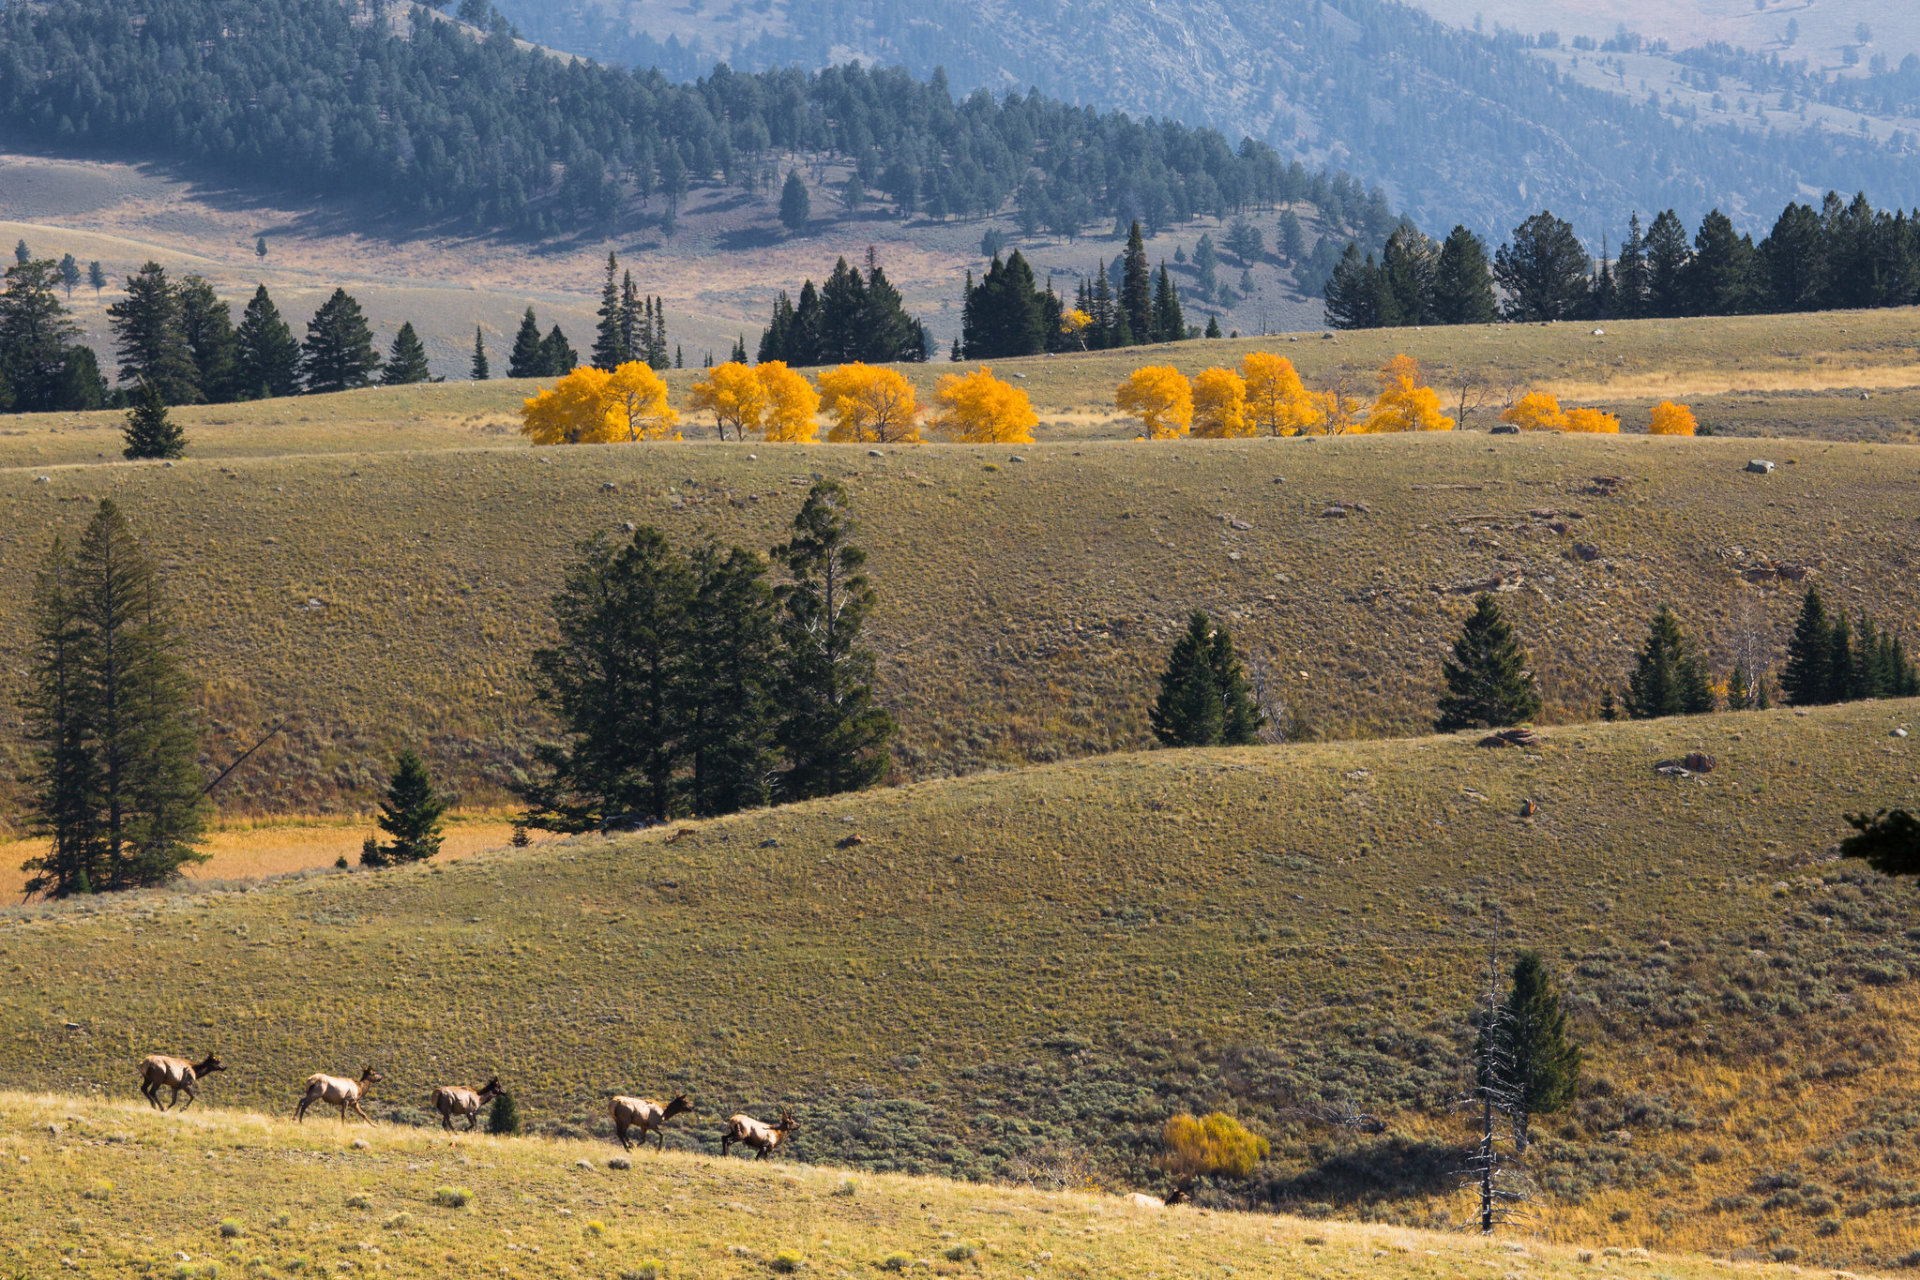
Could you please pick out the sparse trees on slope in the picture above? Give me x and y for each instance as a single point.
(37, 349)
(1808, 678)
(1489, 683)
(338, 354)
(1136, 289)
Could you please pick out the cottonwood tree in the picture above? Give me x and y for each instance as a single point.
(114, 783)
(1161, 397)
(870, 404)
(410, 814)
(978, 408)
(1490, 683)
(833, 733)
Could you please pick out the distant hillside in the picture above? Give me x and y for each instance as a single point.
(1460, 126)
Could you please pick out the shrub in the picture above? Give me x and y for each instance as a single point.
(595, 1227)
(651, 1269)
(786, 1263)
(398, 1222)
(960, 1252)
(359, 1202)
(452, 1197)
(896, 1262)
(230, 1229)
(1218, 1144)
(848, 1188)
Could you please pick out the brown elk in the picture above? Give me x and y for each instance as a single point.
(452, 1100)
(158, 1071)
(647, 1116)
(338, 1091)
(762, 1137)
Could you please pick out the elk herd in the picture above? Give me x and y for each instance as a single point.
(631, 1116)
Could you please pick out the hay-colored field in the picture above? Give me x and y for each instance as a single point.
(1022, 970)
(115, 1190)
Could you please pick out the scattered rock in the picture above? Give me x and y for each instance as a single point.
(1241, 525)
(1899, 733)
(1016, 458)
(361, 1144)
(43, 479)
(1543, 513)
(1528, 808)
(1599, 333)
(875, 453)
(1586, 551)
(771, 842)
(619, 1162)
(1760, 466)
(1334, 513)
(850, 842)
(628, 526)
(1606, 486)
(1503, 429)
(1521, 737)
(1499, 583)
(1688, 765)
(608, 486)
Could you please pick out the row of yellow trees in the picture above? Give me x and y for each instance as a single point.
(864, 404)
(872, 404)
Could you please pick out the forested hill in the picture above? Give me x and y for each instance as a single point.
(446, 123)
(1461, 127)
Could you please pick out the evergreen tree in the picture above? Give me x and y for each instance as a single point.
(1206, 262)
(1544, 270)
(116, 786)
(149, 432)
(610, 678)
(739, 353)
(1842, 670)
(480, 370)
(1719, 277)
(557, 354)
(1793, 261)
(1136, 288)
(1169, 325)
(410, 813)
(1213, 326)
(1354, 292)
(206, 322)
(1188, 712)
(503, 1116)
(1601, 302)
(1409, 272)
(633, 343)
(1463, 281)
(1740, 691)
(610, 336)
(726, 688)
(1004, 315)
(1632, 285)
(69, 274)
(1807, 679)
(266, 356)
(1489, 684)
(833, 733)
(1240, 718)
(406, 359)
(96, 277)
(338, 354)
(36, 340)
(1293, 237)
(21, 254)
(1670, 678)
(527, 360)
(1667, 258)
(796, 207)
(151, 340)
(1537, 1055)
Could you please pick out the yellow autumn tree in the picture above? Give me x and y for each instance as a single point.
(1074, 324)
(1215, 1144)
(734, 395)
(1220, 405)
(978, 408)
(637, 404)
(791, 404)
(1161, 397)
(1536, 411)
(1670, 419)
(575, 410)
(870, 404)
(1592, 422)
(1404, 404)
(1278, 403)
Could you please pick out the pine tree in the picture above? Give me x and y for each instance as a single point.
(151, 341)
(557, 354)
(266, 356)
(1354, 291)
(503, 1116)
(1136, 289)
(527, 360)
(1463, 282)
(69, 274)
(1740, 691)
(338, 354)
(1543, 270)
(206, 322)
(1537, 1056)
(96, 277)
(1667, 259)
(725, 690)
(406, 359)
(633, 345)
(1841, 668)
(739, 353)
(1807, 678)
(410, 813)
(37, 340)
(1240, 718)
(796, 207)
(1188, 712)
(480, 370)
(1169, 325)
(116, 785)
(833, 733)
(1213, 326)
(610, 337)
(1489, 685)
(149, 432)
(21, 254)
(1670, 677)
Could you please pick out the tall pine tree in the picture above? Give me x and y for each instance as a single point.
(1808, 677)
(338, 354)
(410, 814)
(406, 359)
(610, 335)
(480, 370)
(528, 359)
(207, 324)
(1489, 683)
(1670, 677)
(725, 691)
(1136, 288)
(266, 355)
(1537, 1054)
(151, 339)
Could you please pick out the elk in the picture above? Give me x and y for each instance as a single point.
(748, 1132)
(452, 1100)
(338, 1091)
(647, 1116)
(158, 1071)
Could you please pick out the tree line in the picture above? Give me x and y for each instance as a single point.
(1841, 255)
(442, 122)
(685, 683)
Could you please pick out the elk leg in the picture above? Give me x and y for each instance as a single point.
(150, 1092)
(472, 1121)
(355, 1104)
(188, 1090)
(620, 1131)
(726, 1145)
(661, 1133)
(446, 1121)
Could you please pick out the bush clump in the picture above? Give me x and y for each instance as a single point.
(786, 1263)
(452, 1197)
(1217, 1144)
(230, 1229)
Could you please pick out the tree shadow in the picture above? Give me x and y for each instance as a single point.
(1393, 1168)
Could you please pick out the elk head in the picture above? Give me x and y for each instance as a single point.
(677, 1105)
(491, 1089)
(787, 1123)
(211, 1065)
(369, 1078)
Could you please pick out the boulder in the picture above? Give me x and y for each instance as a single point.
(1760, 466)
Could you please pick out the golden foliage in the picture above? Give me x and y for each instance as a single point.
(1593, 422)
(870, 404)
(735, 397)
(791, 404)
(1536, 411)
(1670, 419)
(1218, 1144)
(637, 404)
(1278, 403)
(1220, 405)
(1161, 397)
(1075, 324)
(978, 408)
(1404, 404)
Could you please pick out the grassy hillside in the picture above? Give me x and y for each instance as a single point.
(116, 1190)
(998, 975)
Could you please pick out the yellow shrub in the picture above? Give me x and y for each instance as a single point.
(1670, 419)
(791, 404)
(1404, 404)
(1592, 421)
(1217, 1144)
(1536, 411)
